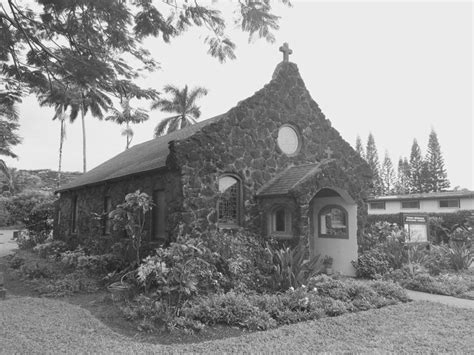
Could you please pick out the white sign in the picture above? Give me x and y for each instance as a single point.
(417, 233)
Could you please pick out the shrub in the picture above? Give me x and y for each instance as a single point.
(51, 248)
(242, 258)
(75, 282)
(389, 290)
(372, 263)
(446, 284)
(21, 205)
(5, 217)
(24, 239)
(16, 261)
(40, 219)
(95, 264)
(33, 270)
(377, 233)
(180, 271)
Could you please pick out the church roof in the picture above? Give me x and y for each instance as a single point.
(140, 158)
(288, 179)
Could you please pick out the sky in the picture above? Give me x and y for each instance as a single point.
(395, 69)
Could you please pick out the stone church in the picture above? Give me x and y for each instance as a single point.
(273, 165)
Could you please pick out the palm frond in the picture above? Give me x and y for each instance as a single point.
(161, 127)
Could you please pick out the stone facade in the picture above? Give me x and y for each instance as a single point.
(90, 202)
(245, 143)
(242, 142)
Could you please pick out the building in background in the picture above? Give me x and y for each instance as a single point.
(430, 202)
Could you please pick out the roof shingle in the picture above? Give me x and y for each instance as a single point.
(140, 158)
(288, 179)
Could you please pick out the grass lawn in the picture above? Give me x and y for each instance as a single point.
(50, 325)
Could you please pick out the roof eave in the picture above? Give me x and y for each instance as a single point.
(112, 180)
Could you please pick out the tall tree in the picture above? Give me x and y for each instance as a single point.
(387, 176)
(127, 115)
(372, 158)
(437, 175)
(418, 178)
(183, 103)
(75, 99)
(403, 176)
(59, 114)
(359, 147)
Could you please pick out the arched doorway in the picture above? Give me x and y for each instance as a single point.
(334, 227)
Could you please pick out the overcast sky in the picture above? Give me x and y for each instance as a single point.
(396, 69)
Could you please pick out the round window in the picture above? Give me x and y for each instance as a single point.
(288, 140)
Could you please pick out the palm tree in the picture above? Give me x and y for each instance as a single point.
(61, 116)
(77, 99)
(13, 178)
(183, 103)
(127, 115)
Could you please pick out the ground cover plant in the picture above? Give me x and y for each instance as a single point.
(324, 296)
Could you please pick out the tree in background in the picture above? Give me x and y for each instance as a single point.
(9, 121)
(127, 115)
(403, 176)
(372, 158)
(387, 176)
(418, 171)
(359, 147)
(59, 114)
(71, 100)
(182, 102)
(434, 162)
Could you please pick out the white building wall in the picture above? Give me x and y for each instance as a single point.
(426, 206)
(343, 251)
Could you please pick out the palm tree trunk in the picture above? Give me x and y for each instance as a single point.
(84, 163)
(128, 136)
(61, 140)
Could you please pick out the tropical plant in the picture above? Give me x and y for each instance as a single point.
(176, 273)
(127, 115)
(292, 267)
(460, 256)
(130, 216)
(183, 103)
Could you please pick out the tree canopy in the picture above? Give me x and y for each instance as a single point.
(90, 43)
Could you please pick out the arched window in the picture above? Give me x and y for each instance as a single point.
(333, 222)
(229, 205)
(279, 223)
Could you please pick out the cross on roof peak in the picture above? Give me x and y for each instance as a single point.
(286, 52)
(329, 152)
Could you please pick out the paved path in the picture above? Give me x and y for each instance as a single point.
(450, 301)
(7, 245)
